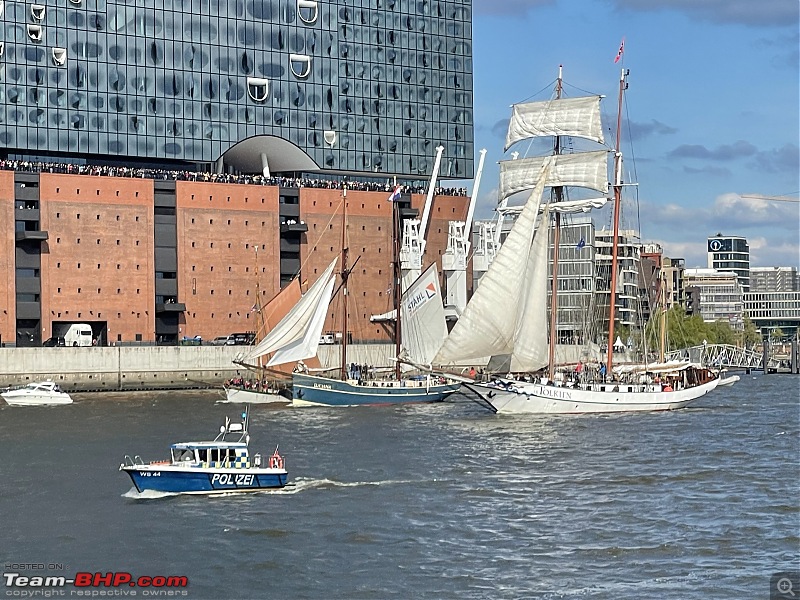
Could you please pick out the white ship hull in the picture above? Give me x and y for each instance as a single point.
(254, 397)
(523, 397)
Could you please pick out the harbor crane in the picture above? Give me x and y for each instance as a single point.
(769, 198)
(454, 260)
(414, 230)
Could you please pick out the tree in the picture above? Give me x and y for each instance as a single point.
(750, 335)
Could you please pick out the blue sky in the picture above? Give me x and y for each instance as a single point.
(712, 108)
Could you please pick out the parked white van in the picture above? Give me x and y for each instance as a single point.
(77, 334)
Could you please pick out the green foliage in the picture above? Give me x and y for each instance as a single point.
(684, 331)
(750, 336)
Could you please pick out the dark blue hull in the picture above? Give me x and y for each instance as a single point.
(204, 481)
(310, 390)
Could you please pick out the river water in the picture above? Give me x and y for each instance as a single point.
(428, 501)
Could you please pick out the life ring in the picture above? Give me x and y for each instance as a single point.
(276, 461)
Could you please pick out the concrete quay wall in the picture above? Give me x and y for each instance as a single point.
(147, 367)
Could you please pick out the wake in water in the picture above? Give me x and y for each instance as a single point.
(301, 484)
(134, 494)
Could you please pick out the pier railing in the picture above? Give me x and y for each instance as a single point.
(723, 356)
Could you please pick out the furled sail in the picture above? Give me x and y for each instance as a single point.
(423, 322)
(489, 322)
(576, 206)
(296, 336)
(567, 116)
(583, 169)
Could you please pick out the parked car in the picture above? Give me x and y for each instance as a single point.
(219, 341)
(55, 341)
(241, 339)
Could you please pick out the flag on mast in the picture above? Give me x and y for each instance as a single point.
(396, 193)
(620, 51)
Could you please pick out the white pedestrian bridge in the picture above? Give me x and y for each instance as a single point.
(723, 356)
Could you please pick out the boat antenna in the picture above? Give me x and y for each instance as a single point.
(623, 85)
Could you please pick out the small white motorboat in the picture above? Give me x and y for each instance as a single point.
(43, 393)
(727, 380)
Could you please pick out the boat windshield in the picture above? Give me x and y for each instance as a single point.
(182, 455)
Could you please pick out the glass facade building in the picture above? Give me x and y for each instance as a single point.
(356, 86)
(730, 253)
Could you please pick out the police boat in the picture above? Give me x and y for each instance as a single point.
(221, 466)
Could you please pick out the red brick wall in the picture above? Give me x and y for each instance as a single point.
(97, 264)
(219, 227)
(8, 294)
(369, 224)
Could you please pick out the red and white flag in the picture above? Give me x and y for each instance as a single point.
(620, 51)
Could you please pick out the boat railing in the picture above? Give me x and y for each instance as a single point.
(136, 461)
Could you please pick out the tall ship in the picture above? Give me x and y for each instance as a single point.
(418, 324)
(517, 280)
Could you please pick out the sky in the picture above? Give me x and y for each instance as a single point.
(711, 111)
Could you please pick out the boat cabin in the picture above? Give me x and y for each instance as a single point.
(220, 455)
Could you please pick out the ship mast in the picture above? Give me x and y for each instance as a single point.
(345, 275)
(262, 327)
(615, 240)
(559, 194)
(663, 321)
(397, 278)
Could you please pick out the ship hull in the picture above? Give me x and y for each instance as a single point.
(195, 480)
(534, 398)
(236, 395)
(311, 390)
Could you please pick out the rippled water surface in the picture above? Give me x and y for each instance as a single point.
(428, 501)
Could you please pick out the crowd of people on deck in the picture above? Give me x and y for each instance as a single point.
(253, 385)
(173, 175)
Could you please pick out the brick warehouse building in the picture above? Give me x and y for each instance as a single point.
(145, 260)
(362, 88)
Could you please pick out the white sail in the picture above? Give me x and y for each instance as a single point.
(568, 116)
(490, 319)
(583, 169)
(296, 336)
(530, 347)
(423, 322)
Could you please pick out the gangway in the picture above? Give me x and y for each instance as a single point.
(414, 231)
(454, 260)
(723, 356)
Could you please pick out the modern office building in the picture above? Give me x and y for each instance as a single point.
(774, 310)
(672, 276)
(774, 279)
(577, 315)
(627, 310)
(773, 302)
(720, 295)
(234, 123)
(255, 86)
(730, 253)
(650, 280)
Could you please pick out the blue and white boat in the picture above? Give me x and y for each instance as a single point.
(223, 465)
(313, 390)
